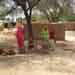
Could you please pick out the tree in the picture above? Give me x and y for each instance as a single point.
(53, 9)
(67, 8)
(3, 13)
(27, 6)
(5, 8)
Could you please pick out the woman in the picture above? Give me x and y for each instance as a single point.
(52, 38)
(45, 36)
(20, 36)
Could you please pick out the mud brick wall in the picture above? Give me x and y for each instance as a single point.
(59, 30)
(69, 26)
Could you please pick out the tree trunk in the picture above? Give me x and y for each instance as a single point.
(30, 33)
(29, 26)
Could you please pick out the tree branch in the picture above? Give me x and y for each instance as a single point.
(47, 16)
(30, 9)
(36, 3)
(8, 12)
(32, 6)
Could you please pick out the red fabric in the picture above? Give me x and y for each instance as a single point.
(19, 36)
(51, 34)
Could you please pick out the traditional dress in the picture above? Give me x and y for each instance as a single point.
(19, 36)
(45, 37)
(52, 35)
(52, 39)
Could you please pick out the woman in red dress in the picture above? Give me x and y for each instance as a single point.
(19, 35)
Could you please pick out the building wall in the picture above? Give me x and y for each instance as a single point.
(59, 30)
(69, 26)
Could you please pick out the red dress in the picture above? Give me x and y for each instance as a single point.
(52, 34)
(19, 36)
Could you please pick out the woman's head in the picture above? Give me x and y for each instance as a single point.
(19, 20)
(19, 23)
(45, 29)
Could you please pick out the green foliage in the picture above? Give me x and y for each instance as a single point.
(68, 18)
(36, 18)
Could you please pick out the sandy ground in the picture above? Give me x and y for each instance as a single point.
(58, 62)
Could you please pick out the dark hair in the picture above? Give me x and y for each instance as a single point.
(45, 28)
